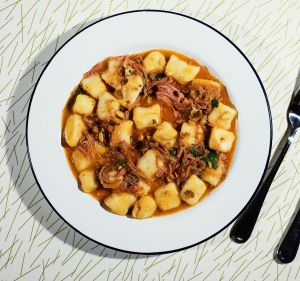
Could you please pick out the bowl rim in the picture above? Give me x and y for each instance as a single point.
(269, 115)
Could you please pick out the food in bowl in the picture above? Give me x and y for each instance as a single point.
(149, 134)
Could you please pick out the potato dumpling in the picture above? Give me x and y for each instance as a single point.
(167, 196)
(192, 190)
(180, 70)
(142, 188)
(154, 62)
(144, 208)
(222, 116)
(88, 181)
(221, 140)
(145, 117)
(120, 203)
(107, 107)
(74, 129)
(191, 133)
(165, 134)
(122, 132)
(111, 76)
(132, 89)
(93, 85)
(80, 160)
(209, 85)
(212, 176)
(99, 148)
(149, 164)
(84, 104)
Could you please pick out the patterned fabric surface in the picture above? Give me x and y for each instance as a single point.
(35, 244)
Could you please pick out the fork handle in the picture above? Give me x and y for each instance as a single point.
(245, 223)
(289, 246)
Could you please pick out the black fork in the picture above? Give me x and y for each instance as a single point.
(245, 223)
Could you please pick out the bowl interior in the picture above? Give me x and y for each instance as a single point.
(130, 33)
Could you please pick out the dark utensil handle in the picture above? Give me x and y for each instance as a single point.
(289, 246)
(245, 223)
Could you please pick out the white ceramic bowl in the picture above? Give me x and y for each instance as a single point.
(135, 32)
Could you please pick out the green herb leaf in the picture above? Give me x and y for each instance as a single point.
(173, 151)
(215, 103)
(122, 163)
(195, 151)
(211, 159)
(79, 91)
(159, 75)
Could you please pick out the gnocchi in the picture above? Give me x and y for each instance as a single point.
(132, 89)
(99, 148)
(165, 134)
(192, 190)
(74, 129)
(119, 203)
(80, 160)
(88, 181)
(167, 196)
(112, 76)
(221, 140)
(180, 70)
(206, 84)
(191, 133)
(84, 104)
(145, 117)
(149, 164)
(122, 132)
(93, 85)
(142, 188)
(222, 116)
(212, 176)
(154, 62)
(144, 208)
(108, 105)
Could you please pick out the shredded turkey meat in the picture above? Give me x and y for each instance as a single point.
(169, 94)
(85, 143)
(132, 67)
(133, 174)
(202, 98)
(178, 168)
(190, 164)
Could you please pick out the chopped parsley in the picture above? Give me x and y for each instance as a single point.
(215, 103)
(122, 163)
(173, 151)
(211, 159)
(79, 91)
(159, 75)
(195, 151)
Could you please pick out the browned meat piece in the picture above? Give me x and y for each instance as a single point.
(85, 144)
(171, 95)
(168, 93)
(129, 151)
(191, 164)
(132, 67)
(202, 96)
